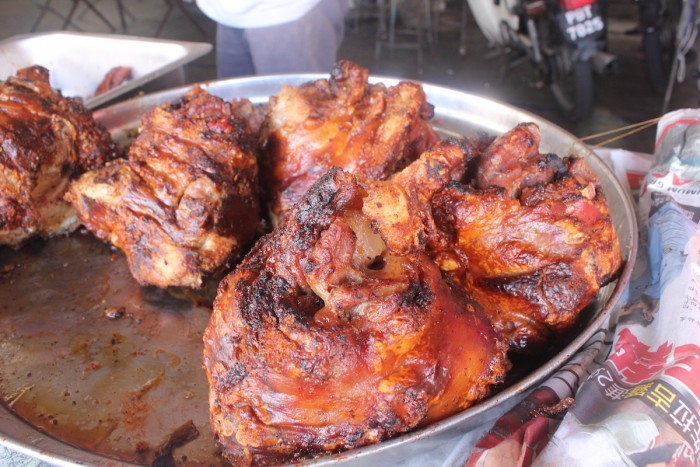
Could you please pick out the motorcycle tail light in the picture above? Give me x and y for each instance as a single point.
(534, 8)
(574, 4)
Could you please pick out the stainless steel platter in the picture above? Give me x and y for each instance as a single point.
(96, 367)
(79, 61)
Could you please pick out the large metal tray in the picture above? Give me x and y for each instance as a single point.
(66, 363)
(79, 61)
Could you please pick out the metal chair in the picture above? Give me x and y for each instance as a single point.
(411, 38)
(171, 4)
(46, 7)
(123, 13)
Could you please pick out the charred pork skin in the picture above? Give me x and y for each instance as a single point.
(337, 330)
(47, 141)
(365, 129)
(530, 238)
(186, 202)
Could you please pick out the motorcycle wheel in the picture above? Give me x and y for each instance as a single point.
(572, 87)
(657, 67)
(658, 43)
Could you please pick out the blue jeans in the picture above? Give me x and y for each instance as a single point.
(309, 44)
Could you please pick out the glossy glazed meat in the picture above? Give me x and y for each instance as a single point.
(47, 140)
(532, 242)
(513, 161)
(337, 330)
(370, 130)
(186, 202)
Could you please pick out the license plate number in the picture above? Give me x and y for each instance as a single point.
(581, 23)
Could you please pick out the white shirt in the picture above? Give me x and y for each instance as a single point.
(246, 14)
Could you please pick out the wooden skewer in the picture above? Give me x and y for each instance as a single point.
(628, 130)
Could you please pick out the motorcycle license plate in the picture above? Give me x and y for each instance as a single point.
(581, 23)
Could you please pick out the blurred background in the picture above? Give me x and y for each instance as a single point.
(436, 41)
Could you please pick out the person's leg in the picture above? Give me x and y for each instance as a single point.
(309, 44)
(232, 53)
(336, 11)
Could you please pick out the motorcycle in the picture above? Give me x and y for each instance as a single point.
(563, 39)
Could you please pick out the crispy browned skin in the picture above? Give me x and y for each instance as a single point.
(535, 245)
(186, 201)
(370, 130)
(46, 141)
(513, 161)
(254, 115)
(338, 331)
